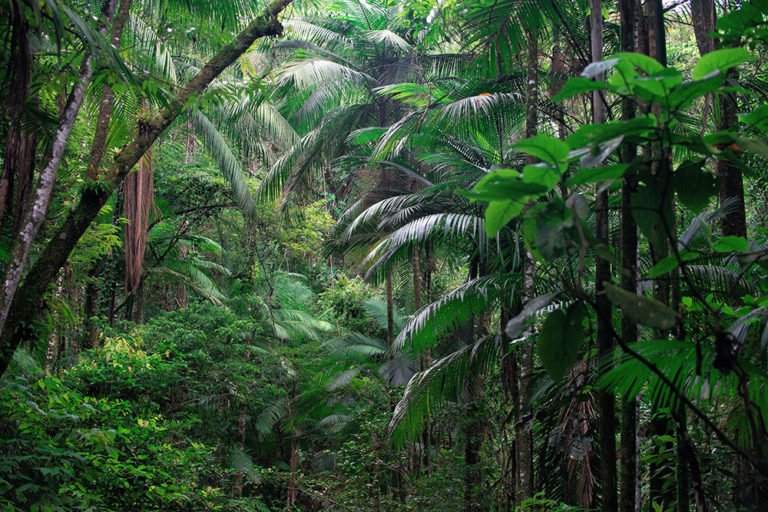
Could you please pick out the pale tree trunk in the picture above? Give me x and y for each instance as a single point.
(390, 308)
(523, 432)
(421, 458)
(19, 305)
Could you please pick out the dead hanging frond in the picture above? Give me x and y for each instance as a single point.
(139, 198)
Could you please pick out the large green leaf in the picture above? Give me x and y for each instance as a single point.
(652, 210)
(694, 186)
(641, 309)
(720, 61)
(560, 340)
(598, 174)
(499, 213)
(578, 85)
(547, 149)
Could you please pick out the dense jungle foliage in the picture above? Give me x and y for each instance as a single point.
(380, 255)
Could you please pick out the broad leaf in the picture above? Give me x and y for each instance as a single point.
(670, 263)
(641, 309)
(547, 149)
(499, 213)
(598, 174)
(560, 340)
(720, 61)
(694, 186)
(729, 244)
(643, 62)
(578, 85)
(518, 324)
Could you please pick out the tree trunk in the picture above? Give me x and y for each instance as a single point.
(99, 144)
(660, 426)
(390, 309)
(293, 465)
(19, 158)
(734, 223)
(523, 431)
(628, 450)
(20, 304)
(473, 426)
(607, 418)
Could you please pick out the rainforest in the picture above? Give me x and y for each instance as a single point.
(384, 255)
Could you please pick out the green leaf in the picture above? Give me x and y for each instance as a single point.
(520, 322)
(659, 84)
(578, 85)
(758, 118)
(548, 149)
(670, 263)
(597, 133)
(541, 175)
(652, 210)
(506, 190)
(491, 180)
(720, 61)
(729, 244)
(643, 62)
(499, 213)
(694, 186)
(598, 174)
(560, 340)
(640, 308)
(753, 145)
(686, 93)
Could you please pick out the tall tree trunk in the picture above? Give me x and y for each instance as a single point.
(99, 143)
(607, 418)
(19, 305)
(629, 332)
(523, 431)
(390, 308)
(660, 427)
(19, 158)
(424, 359)
(293, 466)
(734, 223)
(473, 427)
(138, 194)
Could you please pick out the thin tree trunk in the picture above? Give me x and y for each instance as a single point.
(293, 465)
(473, 427)
(734, 223)
(390, 308)
(660, 426)
(628, 450)
(607, 418)
(19, 305)
(99, 144)
(523, 431)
